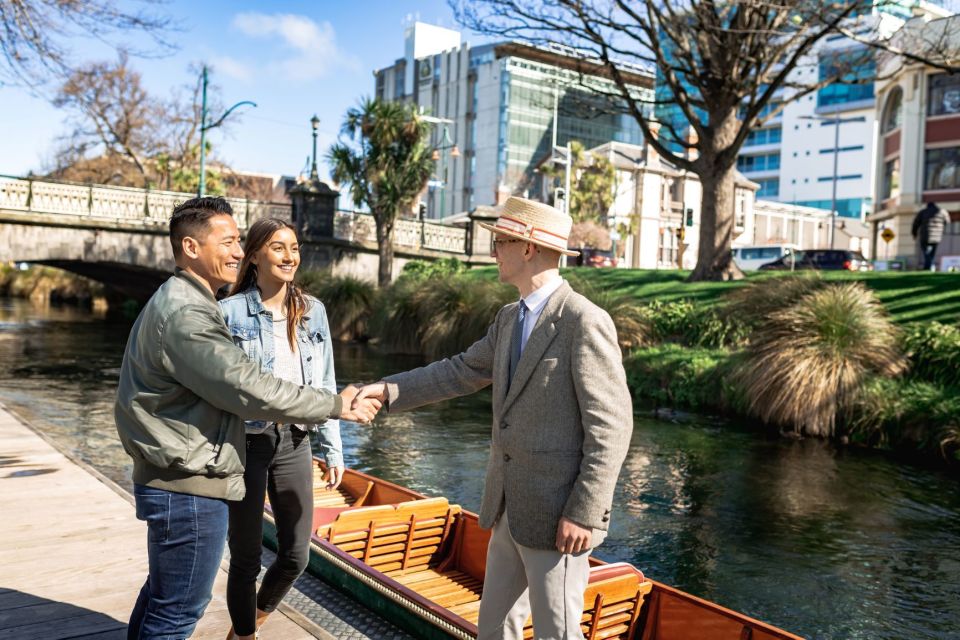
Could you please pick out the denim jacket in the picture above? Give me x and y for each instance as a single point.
(251, 327)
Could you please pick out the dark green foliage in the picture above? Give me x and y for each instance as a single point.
(908, 415)
(934, 351)
(423, 269)
(349, 301)
(677, 377)
(696, 325)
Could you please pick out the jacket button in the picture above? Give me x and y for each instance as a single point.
(506, 458)
(605, 518)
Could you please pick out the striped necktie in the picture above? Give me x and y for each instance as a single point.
(517, 340)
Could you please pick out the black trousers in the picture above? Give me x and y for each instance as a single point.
(279, 462)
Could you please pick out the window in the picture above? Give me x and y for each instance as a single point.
(853, 69)
(764, 136)
(763, 162)
(941, 169)
(892, 111)
(760, 253)
(944, 97)
(852, 176)
(891, 179)
(769, 188)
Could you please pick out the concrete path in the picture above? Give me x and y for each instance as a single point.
(73, 555)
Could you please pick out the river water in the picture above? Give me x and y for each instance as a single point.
(822, 542)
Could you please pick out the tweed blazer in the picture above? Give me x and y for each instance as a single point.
(560, 431)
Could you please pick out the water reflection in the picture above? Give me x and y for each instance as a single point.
(827, 544)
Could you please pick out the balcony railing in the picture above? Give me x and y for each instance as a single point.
(122, 205)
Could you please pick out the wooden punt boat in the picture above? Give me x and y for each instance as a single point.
(419, 562)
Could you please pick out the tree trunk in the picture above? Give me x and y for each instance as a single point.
(385, 249)
(717, 216)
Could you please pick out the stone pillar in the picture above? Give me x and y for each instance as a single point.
(478, 238)
(314, 208)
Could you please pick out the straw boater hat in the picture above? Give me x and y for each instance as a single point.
(534, 222)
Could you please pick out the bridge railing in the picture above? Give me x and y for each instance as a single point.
(353, 226)
(126, 205)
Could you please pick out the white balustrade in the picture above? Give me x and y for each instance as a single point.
(152, 208)
(52, 197)
(14, 193)
(115, 203)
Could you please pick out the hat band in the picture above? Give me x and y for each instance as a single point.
(529, 231)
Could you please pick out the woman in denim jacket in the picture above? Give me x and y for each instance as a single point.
(287, 332)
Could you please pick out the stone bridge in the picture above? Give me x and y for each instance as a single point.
(118, 235)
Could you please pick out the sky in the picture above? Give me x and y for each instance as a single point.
(294, 59)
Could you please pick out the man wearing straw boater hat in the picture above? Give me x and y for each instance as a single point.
(562, 419)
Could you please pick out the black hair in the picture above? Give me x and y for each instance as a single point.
(190, 219)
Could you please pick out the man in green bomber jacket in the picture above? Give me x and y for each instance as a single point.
(185, 389)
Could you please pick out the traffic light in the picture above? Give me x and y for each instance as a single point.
(689, 217)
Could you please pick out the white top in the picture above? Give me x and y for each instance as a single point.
(286, 363)
(535, 303)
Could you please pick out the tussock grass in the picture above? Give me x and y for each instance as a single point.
(349, 301)
(806, 362)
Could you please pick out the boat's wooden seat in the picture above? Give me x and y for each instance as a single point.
(394, 539)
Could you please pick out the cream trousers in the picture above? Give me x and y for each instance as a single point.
(520, 581)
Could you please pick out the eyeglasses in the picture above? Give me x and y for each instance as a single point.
(496, 243)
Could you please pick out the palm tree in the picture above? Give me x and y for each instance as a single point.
(386, 160)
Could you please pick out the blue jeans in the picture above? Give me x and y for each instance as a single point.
(185, 539)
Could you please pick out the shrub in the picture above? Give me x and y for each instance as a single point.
(934, 352)
(904, 413)
(423, 269)
(806, 362)
(691, 324)
(349, 301)
(751, 304)
(677, 377)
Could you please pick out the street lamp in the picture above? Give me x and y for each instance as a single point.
(314, 124)
(445, 143)
(204, 127)
(837, 121)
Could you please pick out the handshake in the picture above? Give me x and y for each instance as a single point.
(361, 403)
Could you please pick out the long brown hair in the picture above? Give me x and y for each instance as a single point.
(295, 303)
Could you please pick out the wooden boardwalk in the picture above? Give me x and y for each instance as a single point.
(73, 555)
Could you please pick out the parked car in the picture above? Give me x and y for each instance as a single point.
(822, 260)
(752, 258)
(591, 257)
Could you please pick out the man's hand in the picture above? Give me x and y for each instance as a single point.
(333, 476)
(572, 537)
(362, 410)
(375, 390)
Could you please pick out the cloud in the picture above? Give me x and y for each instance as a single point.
(313, 50)
(232, 68)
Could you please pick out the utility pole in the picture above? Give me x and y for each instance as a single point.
(202, 188)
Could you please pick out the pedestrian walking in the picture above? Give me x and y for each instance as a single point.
(928, 227)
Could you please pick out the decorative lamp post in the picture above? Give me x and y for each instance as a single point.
(314, 124)
(204, 127)
(446, 142)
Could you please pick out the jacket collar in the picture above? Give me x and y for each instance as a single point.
(195, 282)
(255, 303)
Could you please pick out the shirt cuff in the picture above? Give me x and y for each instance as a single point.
(337, 407)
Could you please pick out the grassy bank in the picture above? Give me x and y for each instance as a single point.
(870, 359)
(911, 296)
